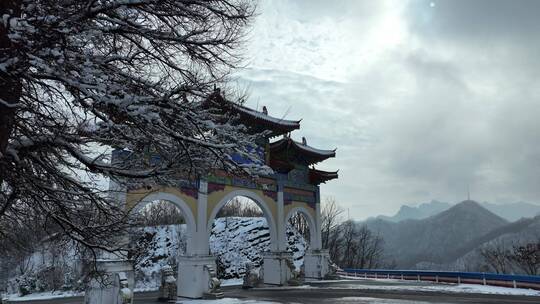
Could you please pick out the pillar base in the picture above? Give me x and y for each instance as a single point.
(194, 279)
(116, 284)
(277, 267)
(316, 264)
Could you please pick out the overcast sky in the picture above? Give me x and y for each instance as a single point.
(421, 98)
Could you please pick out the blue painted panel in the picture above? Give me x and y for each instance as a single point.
(242, 160)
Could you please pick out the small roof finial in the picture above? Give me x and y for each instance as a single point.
(468, 192)
(304, 141)
(265, 110)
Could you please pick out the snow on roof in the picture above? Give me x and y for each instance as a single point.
(263, 116)
(315, 150)
(305, 147)
(320, 176)
(322, 172)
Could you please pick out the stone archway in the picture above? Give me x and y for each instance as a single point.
(267, 213)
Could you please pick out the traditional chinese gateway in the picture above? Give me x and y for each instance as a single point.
(293, 187)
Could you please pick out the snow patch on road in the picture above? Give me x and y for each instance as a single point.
(439, 287)
(232, 282)
(365, 300)
(226, 301)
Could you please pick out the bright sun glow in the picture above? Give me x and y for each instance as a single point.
(390, 31)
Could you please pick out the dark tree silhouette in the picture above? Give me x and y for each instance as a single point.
(80, 77)
(527, 257)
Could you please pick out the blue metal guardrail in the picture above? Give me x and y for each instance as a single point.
(485, 278)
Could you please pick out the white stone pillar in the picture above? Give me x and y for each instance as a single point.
(316, 264)
(201, 237)
(193, 276)
(277, 265)
(193, 268)
(317, 243)
(281, 224)
(277, 268)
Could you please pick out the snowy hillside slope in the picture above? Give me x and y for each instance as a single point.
(161, 245)
(236, 241)
(233, 240)
(47, 268)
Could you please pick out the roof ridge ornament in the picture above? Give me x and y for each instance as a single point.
(265, 110)
(304, 141)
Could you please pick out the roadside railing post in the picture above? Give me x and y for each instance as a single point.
(515, 283)
(484, 278)
(436, 279)
(459, 280)
(402, 276)
(418, 277)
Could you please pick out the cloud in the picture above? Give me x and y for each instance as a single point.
(475, 21)
(420, 101)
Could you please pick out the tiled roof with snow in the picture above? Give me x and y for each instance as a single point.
(284, 142)
(320, 176)
(257, 120)
(295, 124)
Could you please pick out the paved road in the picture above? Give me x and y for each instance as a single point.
(341, 292)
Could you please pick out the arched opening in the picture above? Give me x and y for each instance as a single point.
(159, 213)
(240, 230)
(300, 235)
(266, 210)
(163, 230)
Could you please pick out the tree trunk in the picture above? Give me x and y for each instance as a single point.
(10, 86)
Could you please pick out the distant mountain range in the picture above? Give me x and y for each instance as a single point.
(449, 239)
(429, 240)
(511, 212)
(421, 211)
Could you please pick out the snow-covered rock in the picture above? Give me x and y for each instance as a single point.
(237, 240)
(160, 246)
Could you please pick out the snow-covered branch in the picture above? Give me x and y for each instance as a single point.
(77, 76)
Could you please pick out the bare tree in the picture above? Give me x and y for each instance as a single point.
(369, 252)
(355, 246)
(330, 218)
(160, 213)
(81, 77)
(497, 256)
(241, 207)
(527, 257)
(348, 243)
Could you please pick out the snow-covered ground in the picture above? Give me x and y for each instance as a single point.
(43, 296)
(227, 301)
(349, 284)
(439, 287)
(366, 300)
